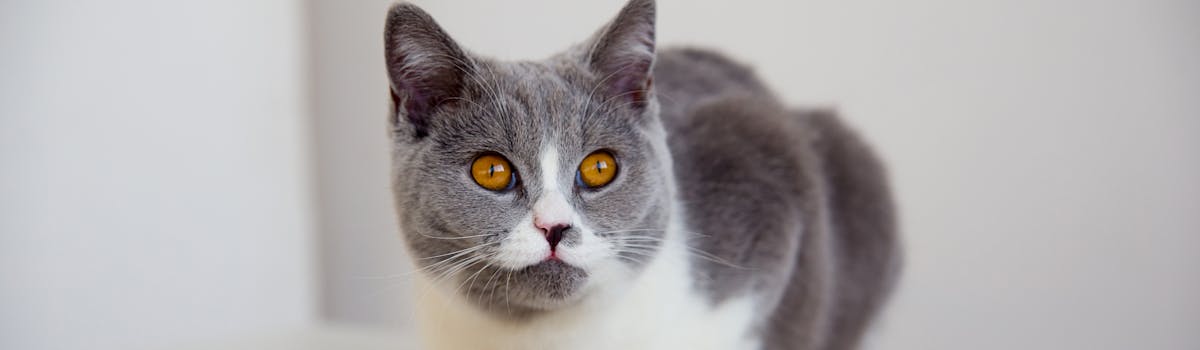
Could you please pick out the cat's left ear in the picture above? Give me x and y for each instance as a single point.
(427, 68)
(622, 54)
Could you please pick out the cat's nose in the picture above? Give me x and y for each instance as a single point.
(552, 215)
(553, 233)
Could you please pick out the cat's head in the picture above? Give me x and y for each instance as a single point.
(524, 187)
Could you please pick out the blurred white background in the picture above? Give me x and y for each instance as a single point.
(156, 182)
(182, 172)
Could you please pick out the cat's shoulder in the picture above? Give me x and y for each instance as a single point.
(693, 59)
(687, 73)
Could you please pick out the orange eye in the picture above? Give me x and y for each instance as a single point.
(493, 172)
(597, 169)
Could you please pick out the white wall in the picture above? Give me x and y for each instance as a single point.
(154, 184)
(363, 266)
(1045, 153)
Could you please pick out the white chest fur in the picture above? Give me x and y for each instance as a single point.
(657, 309)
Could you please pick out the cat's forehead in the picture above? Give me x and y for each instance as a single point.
(549, 94)
(518, 108)
(550, 81)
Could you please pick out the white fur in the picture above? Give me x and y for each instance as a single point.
(657, 308)
(552, 207)
(523, 246)
(526, 244)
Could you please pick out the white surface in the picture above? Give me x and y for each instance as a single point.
(327, 337)
(1044, 153)
(155, 173)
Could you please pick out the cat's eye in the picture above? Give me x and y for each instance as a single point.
(596, 170)
(493, 172)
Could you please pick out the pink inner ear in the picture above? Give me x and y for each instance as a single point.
(424, 64)
(632, 84)
(415, 104)
(625, 51)
(419, 91)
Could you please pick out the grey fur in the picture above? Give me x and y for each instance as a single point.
(789, 204)
(513, 109)
(791, 195)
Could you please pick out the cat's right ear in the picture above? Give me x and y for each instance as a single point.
(622, 53)
(426, 67)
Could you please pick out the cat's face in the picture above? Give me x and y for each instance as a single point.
(524, 187)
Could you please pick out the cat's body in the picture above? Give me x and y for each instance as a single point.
(732, 223)
(805, 201)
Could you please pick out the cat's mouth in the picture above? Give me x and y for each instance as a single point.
(551, 282)
(544, 286)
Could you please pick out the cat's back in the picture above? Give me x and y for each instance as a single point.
(789, 205)
(744, 169)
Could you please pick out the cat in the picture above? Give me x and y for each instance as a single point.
(617, 197)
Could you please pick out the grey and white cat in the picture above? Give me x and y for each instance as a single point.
(612, 197)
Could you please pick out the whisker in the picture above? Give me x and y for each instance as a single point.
(459, 237)
(508, 292)
(630, 259)
(446, 274)
(694, 252)
(465, 250)
(492, 295)
(471, 279)
(428, 268)
(691, 234)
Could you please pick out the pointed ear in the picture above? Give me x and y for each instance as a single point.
(622, 54)
(426, 67)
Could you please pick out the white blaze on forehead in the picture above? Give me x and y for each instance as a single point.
(552, 207)
(526, 244)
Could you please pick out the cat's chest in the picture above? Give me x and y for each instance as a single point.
(659, 309)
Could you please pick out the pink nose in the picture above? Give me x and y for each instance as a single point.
(553, 232)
